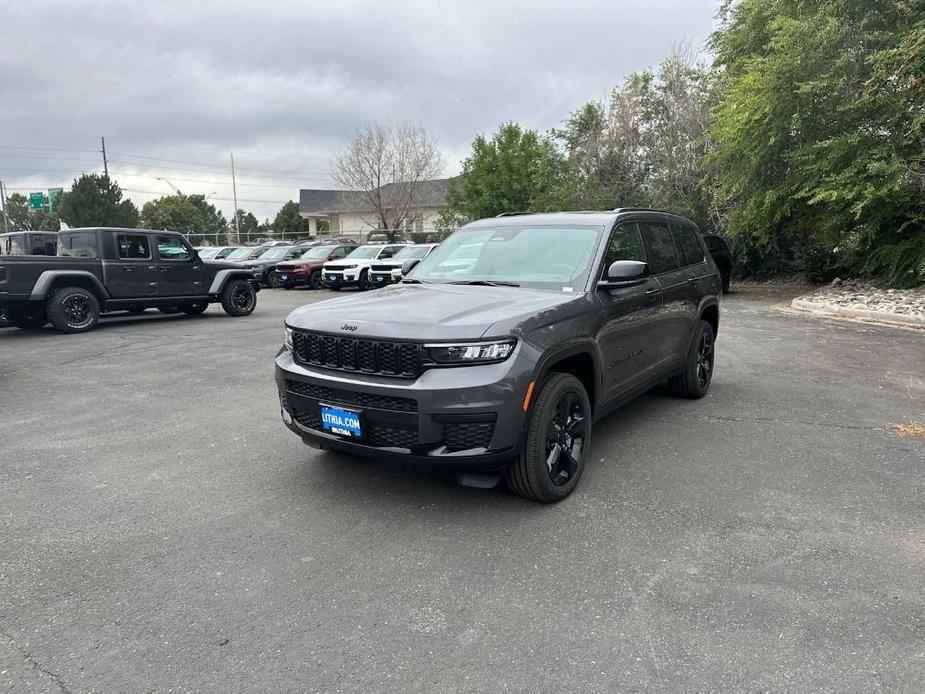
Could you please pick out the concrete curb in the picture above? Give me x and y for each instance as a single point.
(859, 314)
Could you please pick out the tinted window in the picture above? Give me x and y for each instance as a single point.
(133, 246)
(16, 245)
(625, 244)
(49, 247)
(81, 244)
(660, 248)
(172, 248)
(339, 252)
(688, 244)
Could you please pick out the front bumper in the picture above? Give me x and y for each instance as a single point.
(340, 278)
(380, 278)
(468, 418)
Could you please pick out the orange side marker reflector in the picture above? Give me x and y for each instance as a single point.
(528, 395)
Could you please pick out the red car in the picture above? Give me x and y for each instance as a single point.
(306, 269)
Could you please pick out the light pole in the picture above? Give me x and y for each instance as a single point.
(175, 189)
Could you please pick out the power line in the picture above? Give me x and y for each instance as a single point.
(294, 174)
(203, 180)
(47, 149)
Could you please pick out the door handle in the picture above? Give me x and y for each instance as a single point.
(692, 280)
(129, 269)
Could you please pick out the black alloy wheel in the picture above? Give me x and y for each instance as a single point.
(565, 439)
(315, 281)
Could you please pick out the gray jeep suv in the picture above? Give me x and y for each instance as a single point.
(499, 350)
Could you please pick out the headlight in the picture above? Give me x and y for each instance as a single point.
(288, 338)
(471, 352)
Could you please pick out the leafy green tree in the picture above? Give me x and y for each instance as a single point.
(819, 134)
(516, 170)
(23, 218)
(288, 223)
(95, 200)
(189, 214)
(248, 224)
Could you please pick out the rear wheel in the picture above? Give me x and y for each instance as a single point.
(195, 309)
(556, 442)
(238, 298)
(314, 280)
(73, 309)
(695, 381)
(31, 318)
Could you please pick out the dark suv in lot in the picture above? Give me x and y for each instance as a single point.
(499, 350)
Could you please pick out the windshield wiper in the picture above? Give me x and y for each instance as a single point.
(487, 283)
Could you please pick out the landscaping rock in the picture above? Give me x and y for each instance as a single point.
(862, 301)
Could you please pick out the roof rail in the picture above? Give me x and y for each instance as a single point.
(643, 209)
(510, 214)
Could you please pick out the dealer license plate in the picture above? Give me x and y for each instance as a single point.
(340, 421)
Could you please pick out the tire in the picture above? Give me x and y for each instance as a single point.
(314, 280)
(238, 298)
(73, 309)
(559, 420)
(169, 310)
(363, 281)
(195, 309)
(272, 279)
(726, 279)
(27, 318)
(698, 372)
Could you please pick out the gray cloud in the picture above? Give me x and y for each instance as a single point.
(285, 84)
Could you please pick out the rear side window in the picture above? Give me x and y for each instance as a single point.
(15, 245)
(133, 246)
(660, 247)
(688, 244)
(172, 248)
(625, 244)
(81, 244)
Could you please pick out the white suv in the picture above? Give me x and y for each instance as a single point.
(354, 269)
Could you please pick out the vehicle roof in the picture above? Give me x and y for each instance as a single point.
(122, 230)
(579, 217)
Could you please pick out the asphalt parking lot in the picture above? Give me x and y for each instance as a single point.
(163, 532)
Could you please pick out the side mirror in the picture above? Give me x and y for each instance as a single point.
(626, 273)
(409, 265)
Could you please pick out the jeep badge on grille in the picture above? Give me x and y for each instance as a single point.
(348, 326)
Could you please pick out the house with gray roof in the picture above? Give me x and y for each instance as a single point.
(347, 211)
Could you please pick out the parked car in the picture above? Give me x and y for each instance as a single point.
(100, 270)
(374, 239)
(340, 241)
(722, 256)
(501, 369)
(382, 273)
(306, 269)
(29, 243)
(245, 253)
(216, 252)
(354, 269)
(264, 267)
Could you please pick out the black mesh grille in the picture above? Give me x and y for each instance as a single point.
(393, 437)
(461, 436)
(335, 395)
(353, 354)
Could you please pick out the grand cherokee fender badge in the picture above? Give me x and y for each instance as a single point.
(349, 327)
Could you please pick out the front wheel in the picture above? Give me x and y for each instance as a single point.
(238, 298)
(73, 309)
(314, 280)
(363, 281)
(556, 442)
(272, 279)
(27, 318)
(695, 381)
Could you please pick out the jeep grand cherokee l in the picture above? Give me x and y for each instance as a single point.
(500, 349)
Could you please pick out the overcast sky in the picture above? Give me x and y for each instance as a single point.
(175, 87)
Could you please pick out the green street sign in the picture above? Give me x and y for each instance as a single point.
(37, 201)
(53, 194)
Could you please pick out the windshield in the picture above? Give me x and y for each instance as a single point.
(317, 252)
(207, 252)
(239, 253)
(366, 252)
(541, 257)
(412, 252)
(275, 253)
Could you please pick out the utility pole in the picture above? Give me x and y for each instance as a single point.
(105, 163)
(234, 191)
(6, 216)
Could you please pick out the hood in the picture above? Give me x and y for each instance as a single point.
(315, 262)
(431, 311)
